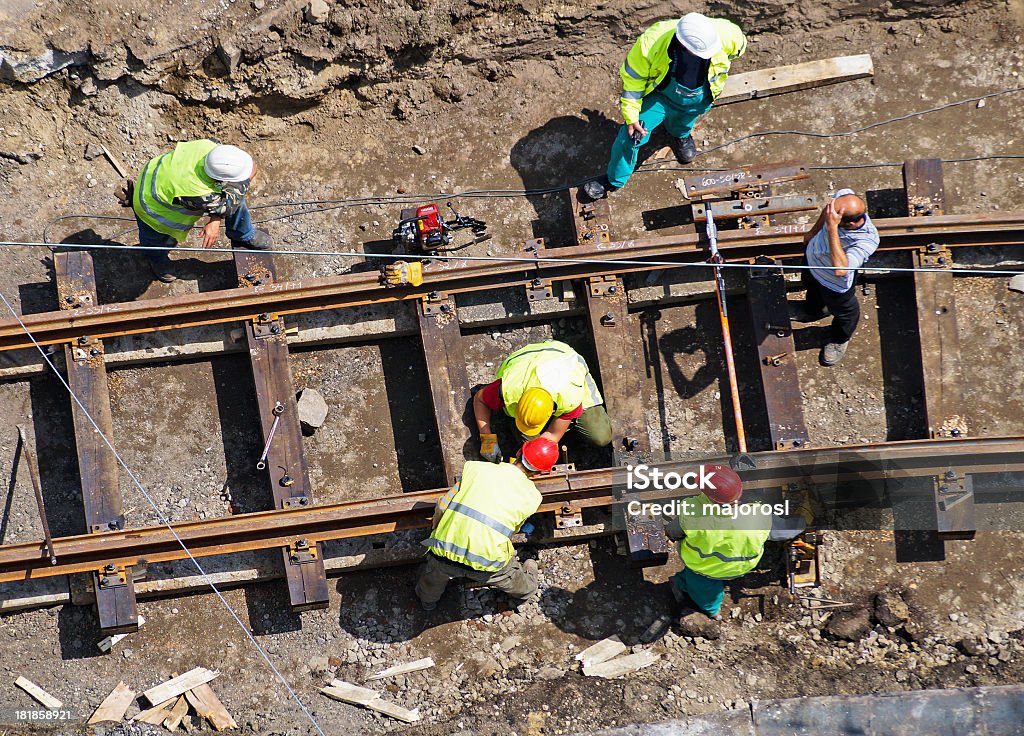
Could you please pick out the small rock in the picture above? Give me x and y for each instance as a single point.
(972, 647)
(88, 87)
(902, 675)
(319, 664)
(550, 673)
(971, 669)
(697, 624)
(312, 410)
(849, 625)
(317, 11)
(510, 642)
(94, 150)
(230, 55)
(981, 104)
(1017, 283)
(259, 4)
(419, 150)
(691, 694)
(954, 617)
(890, 609)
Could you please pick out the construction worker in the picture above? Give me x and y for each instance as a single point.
(672, 75)
(177, 188)
(474, 521)
(546, 386)
(715, 544)
(840, 242)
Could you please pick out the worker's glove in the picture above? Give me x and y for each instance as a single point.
(401, 273)
(489, 448)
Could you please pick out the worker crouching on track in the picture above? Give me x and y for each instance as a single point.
(474, 522)
(546, 387)
(672, 75)
(716, 544)
(840, 242)
(196, 179)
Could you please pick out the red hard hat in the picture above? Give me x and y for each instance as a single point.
(539, 455)
(727, 487)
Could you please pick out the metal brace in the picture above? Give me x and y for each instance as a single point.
(568, 516)
(302, 551)
(774, 360)
(85, 348)
(436, 303)
(539, 290)
(111, 526)
(950, 489)
(112, 576)
(77, 300)
(295, 502)
(266, 324)
(790, 444)
(934, 255)
(605, 286)
(954, 427)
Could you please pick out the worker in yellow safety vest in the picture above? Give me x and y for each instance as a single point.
(198, 178)
(672, 75)
(546, 387)
(474, 522)
(719, 542)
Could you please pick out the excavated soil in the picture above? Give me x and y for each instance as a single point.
(387, 97)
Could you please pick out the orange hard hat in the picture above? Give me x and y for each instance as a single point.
(539, 455)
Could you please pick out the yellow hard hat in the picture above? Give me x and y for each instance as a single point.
(533, 411)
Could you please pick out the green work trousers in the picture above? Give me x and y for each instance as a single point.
(512, 579)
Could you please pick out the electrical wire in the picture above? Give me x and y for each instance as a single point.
(164, 520)
(527, 262)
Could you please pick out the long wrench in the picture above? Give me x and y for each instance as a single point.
(723, 314)
(278, 410)
(34, 475)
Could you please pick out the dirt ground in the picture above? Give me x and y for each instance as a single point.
(496, 95)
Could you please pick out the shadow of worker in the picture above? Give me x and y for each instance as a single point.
(563, 152)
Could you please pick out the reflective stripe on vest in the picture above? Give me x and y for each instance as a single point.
(489, 504)
(553, 366)
(719, 555)
(169, 176)
(719, 546)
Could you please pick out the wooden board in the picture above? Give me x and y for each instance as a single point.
(793, 77)
(403, 669)
(114, 705)
(179, 711)
(602, 651)
(287, 471)
(780, 384)
(41, 696)
(178, 685)
(156, 714)
(208, 706)
(441, 340)
(622, 665)
(97, 466)
(940, 348)
(346, 692)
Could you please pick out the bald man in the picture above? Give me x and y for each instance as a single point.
(840, 242)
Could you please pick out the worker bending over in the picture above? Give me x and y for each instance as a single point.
(840, 242)
(672, 75)
(716, 546)
(546, 386)
(474, 522)
(196, 179)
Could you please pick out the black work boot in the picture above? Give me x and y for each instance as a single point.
(261, 240)
(684, 149)
(599, 188)
(163, 271)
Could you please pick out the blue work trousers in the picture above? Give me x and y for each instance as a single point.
(677, 112)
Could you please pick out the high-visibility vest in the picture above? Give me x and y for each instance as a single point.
(480, 514)
(554, 367)
(648, 62)
(178, 173)
(719, 546)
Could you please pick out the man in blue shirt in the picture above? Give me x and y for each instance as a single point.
(840, 242)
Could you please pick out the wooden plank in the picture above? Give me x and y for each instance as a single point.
(208, 706)
(737, 180)
(776, 355)
(156, 714)
(793, 77)
(403, 669)
(732, 209)
(287, 471)
(622, 665)
(441, 341)
(97, 466)
(346, 692)
(179, 711)
(940, 348)
(114, 705)
(177, 685)
(41, 696)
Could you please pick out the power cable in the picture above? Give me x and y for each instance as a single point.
(166, 522)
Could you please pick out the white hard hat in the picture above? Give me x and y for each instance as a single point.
(698, 35)
(228, 163)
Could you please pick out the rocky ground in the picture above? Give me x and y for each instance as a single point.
(378, 99)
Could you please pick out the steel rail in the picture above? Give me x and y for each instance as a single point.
(583, 489)
(460, 276)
